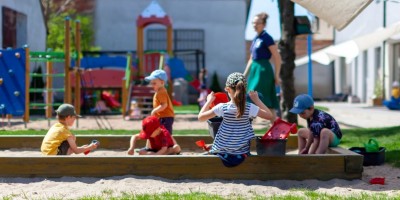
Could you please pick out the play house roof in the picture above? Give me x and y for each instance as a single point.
(153, 14)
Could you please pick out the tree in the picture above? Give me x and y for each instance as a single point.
(55, 12)
(287, 51)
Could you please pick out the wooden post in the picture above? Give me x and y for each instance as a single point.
(140, 50)
(67, 81)
(77, 67)
(170, 54)
(27, 79)
(49, 89)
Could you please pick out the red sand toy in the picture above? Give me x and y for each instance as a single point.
(280, 130)
(220, 97)
(93, 141)
(378, 180)
(202, 144)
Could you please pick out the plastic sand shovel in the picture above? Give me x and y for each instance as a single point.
(93, 141)
(202, 144)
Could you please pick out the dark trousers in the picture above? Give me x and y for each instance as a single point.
(167, 123)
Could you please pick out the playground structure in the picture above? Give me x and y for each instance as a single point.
(337, 163)
(15, 75)
(137, 65)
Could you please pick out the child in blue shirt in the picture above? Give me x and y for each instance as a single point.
(322, 129)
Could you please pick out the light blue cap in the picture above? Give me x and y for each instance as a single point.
(302, 102)
(160, 74)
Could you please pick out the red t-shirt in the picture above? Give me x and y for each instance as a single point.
(164, 139)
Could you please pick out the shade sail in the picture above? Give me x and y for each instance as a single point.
(338, 14)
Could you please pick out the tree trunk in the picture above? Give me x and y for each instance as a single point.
(287, 51)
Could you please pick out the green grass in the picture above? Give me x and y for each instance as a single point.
(187, 109)
(326, 109)
(304, 194)
(99, 132)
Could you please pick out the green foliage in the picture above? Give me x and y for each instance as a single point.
(215, 86)
(56, 37)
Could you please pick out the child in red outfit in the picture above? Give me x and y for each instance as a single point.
(161, 142)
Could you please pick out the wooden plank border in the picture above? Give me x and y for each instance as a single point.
(339, 163)
(291, 167)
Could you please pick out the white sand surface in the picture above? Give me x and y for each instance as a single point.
(71, 187)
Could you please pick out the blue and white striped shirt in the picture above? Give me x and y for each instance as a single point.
(234, 134)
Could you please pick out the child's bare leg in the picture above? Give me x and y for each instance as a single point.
(314, 146)
(326, 137)
(302, 136)
(174, 150)
(131, 149)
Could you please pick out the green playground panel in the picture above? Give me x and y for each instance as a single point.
(43, 75)
(44, 90)
(44, 104)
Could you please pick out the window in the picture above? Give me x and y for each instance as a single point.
(14, 28)
(188, 45)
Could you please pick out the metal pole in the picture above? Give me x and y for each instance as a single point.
(309, 52)
(384, 51)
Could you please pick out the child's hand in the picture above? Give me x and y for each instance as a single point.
(211, 97)
(254, 96)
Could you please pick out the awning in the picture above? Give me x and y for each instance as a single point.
(337, 14)
(352, 48)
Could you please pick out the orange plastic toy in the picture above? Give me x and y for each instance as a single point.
(280, 130)
(220, 97)
(202, 144)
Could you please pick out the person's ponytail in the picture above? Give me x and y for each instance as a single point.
(239, 98)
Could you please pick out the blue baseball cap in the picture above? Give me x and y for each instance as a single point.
(160, 74)
(302, 102)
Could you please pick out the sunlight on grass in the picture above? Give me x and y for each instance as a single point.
(304, 194)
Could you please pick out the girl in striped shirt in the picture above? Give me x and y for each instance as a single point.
(232, 141)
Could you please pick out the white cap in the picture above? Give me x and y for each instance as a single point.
(395, 84)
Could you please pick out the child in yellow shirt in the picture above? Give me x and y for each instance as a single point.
(59, 140)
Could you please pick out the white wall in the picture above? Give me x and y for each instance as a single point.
(36, 30)
(222, 20)
(365, 71)
(322, 80)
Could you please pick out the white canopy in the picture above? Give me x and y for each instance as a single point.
(337, 13)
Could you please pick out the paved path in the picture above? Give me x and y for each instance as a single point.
(362, 115)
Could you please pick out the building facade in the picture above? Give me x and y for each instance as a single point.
(22, 23)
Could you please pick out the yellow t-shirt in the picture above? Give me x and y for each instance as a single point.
(57, 134)
(396, 93)
(161, 96)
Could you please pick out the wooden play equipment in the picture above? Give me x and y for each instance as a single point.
(338, 163)
(148, 61)
(50, 58)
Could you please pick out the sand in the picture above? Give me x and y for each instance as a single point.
(71, 187)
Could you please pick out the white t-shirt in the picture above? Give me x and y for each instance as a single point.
(234, 134)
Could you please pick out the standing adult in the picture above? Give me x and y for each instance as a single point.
(261, 76)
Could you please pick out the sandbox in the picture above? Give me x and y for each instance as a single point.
(338, 163)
